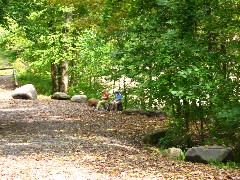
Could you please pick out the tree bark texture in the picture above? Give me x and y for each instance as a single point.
(54, 76)
(64, 77)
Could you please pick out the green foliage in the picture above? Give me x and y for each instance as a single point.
(176, 136)
(41, 82)
(231, 165)
(226, 128)
(94, 91)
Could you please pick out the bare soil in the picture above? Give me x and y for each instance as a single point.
(50, 139)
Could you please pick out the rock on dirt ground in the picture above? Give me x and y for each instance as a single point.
(6, 82)
(51, 139)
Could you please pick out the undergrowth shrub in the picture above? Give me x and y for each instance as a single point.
(176, 136)
(42, 83)
(226, 129)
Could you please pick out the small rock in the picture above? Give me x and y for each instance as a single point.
(60, 96)
(93, 102)
(79, 98)
(173, 152)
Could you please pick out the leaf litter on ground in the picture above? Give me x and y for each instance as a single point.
(50, 139)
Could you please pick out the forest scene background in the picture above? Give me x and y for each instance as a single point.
(178, 56)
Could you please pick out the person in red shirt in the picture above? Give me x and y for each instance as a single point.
(105, 98)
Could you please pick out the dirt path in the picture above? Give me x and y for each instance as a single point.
(47, 139)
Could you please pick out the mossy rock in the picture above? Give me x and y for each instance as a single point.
(60, 96)
(153, 137)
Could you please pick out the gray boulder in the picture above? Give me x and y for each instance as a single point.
(173, 152)
(60, 96)
(79, 98)
(27, 91)
(205, 154)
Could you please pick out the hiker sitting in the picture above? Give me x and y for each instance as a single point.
(104, 100)
(117, 101)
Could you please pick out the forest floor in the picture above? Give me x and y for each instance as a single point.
(50, 139)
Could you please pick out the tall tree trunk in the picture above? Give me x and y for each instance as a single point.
(72, 77)
(54, 76)
(64, 77)
(64, 63)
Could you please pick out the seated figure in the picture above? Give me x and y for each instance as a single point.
(117, 103)
(104, 100)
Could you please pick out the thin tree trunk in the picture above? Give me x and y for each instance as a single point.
(201, 122)
(187, 120)
(150, 88)
(72, 77)
(224, 64)
(125, 93)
